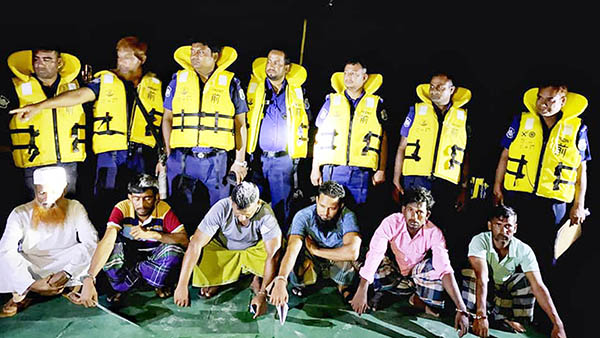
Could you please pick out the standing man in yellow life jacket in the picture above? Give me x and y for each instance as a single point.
(122, 139)
(432, 152)
(543, 165)
(351, 143)
(277, 128)
(205, 117)
(54, 136)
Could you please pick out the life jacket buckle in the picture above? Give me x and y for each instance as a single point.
(558, 181)
(415, 155)
(455, 150)
(331, 144)
(75, 136)
(519, 173)
(301, 136)
(367, 140)
(32, 148)
(216, 128)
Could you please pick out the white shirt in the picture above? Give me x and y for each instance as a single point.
(28, 254)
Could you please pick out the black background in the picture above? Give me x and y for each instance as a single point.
(496, 51)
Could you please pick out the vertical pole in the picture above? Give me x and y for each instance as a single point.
(303, 41)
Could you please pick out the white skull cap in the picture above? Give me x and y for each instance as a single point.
(55, 176)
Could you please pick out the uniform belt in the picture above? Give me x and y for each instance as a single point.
(209, 154)
(274, 153)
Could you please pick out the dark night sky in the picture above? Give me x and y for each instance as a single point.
(498, 53)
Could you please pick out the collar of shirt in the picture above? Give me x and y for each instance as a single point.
(545, 129)
(281, 90)
(441, 113)
(512, 249)
(144, 223)
(51, 90)
(406, 238)
(354, 102)
(275, 100)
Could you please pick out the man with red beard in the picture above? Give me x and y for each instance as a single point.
(121, 138)
(47, 245)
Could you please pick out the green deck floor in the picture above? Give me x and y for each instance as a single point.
(319, 315)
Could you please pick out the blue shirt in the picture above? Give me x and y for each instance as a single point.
(236, 93)
(410, 118)
(325, 108)
(305, 224)
(273, 129)
(582, 139)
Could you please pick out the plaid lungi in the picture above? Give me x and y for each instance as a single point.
(389, 279)
(309, 268)
(128, 262)
(512, 300)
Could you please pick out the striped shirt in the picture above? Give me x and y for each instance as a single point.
(162, 219)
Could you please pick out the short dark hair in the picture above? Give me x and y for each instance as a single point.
(418, 195)
(47, 48)
(142, 182)
(356, 61)
(244, 194)
(286, 56)
(502, 211)
(332, 189)
(214, 46)
(442, 74)
(557, 85)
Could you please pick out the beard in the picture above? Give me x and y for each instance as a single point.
(131, 76)
(53, 216)
(326, 226)
(275, 77)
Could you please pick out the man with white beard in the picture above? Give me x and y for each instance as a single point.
(47, 245)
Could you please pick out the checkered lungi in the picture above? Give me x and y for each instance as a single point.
(389, 279)
(128, 262)
(512, 300)
(309, 268)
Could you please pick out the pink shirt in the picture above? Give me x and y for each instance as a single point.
(408, 251)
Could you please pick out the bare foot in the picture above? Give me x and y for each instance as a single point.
(255, 285)
(418, 303)
(515, 326)
(343, 290)
(209, 291)
(72, 294)
(164, 292)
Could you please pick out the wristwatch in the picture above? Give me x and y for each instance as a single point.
(82, 278)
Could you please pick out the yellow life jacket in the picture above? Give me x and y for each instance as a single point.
(112, 131)
(341, 140)
(206, 123)
(556, 175)
(297, 121)
(427, 143)
(52, 135)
